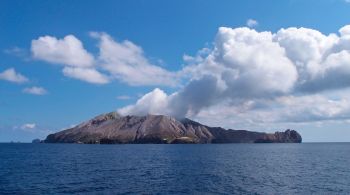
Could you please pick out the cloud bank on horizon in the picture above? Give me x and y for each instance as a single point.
(292, 75)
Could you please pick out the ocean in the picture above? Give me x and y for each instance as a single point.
(307, 168)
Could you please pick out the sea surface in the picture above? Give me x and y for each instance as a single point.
(308, 168)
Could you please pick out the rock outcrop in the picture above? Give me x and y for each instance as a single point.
(112, 128)
(36, 141)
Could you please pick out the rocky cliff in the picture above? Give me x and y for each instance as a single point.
(112, 128)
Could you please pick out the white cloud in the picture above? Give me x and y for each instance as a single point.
(155, 102)
(257, 113)
(280, 112)
(35, 90)
(126, 62)
(321, 60)
(33, 128)
(28, 126)
(252, 23)
(345, 30)
(13, 76)
(123, 61)
(312, 108)
(249, 57)
(255, 77)
(67, 51)
(304, 45)
(244, 63)
(86, 74)
(246, 76)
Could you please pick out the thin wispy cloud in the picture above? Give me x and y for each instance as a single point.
(18, 52)
(252, 23)
(35, 90)
(28, 126)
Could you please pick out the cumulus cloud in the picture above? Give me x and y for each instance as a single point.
(261, 77)
(333, 73)
(246, 75)
(321, 60)
(126, 62)
(35, 90)
(249, 57)
(242, 64)
(85, 74)
(13, 76)
(67, 51)
(252, 23)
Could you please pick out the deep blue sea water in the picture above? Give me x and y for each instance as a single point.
(317, 168)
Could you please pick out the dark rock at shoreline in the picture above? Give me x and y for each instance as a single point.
(111, 128)
(36, 141)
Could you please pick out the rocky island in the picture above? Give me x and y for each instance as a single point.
(111, 128)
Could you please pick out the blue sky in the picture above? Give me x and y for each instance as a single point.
(40, 94)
